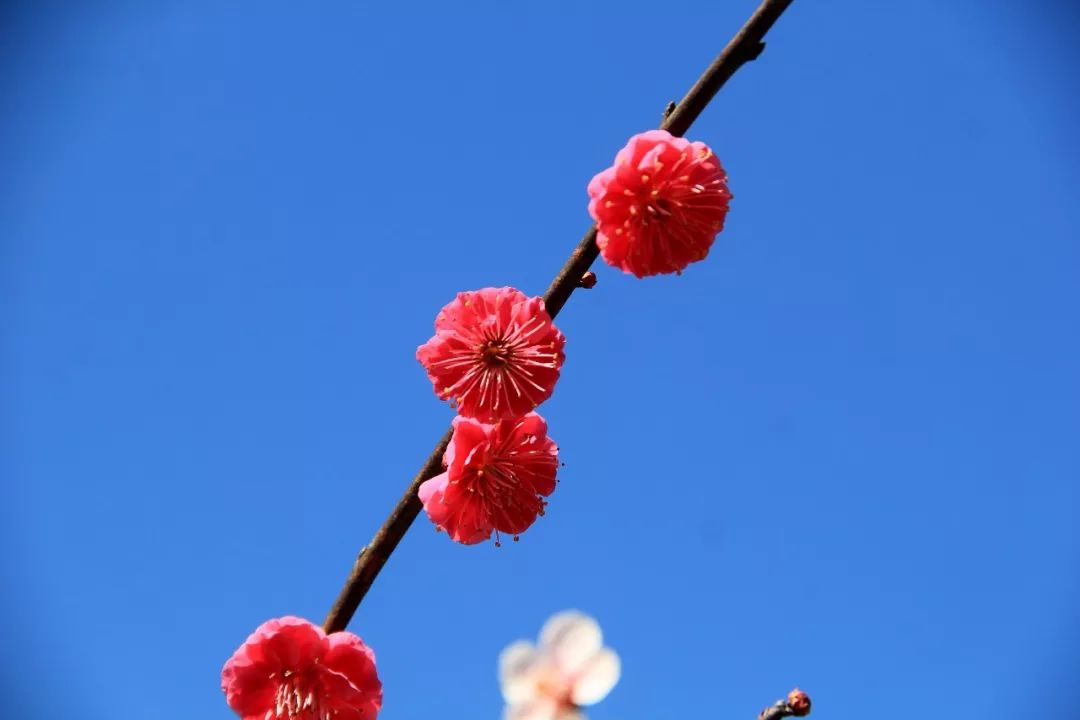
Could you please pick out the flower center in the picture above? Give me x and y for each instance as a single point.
(497, 485)
(296, 699)
(554, 688)
(657, 208)
(495, 353)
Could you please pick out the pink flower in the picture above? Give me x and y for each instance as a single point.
(496, 354)
(568, 669)
(495, 479)
(661, 206)
(289, 668)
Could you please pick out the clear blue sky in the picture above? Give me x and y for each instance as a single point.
(842, 453)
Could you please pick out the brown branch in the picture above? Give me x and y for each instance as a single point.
(744, 47)
(797, 704)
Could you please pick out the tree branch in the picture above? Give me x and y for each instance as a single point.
(744, 47)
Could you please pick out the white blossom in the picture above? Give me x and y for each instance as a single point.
(568, 668)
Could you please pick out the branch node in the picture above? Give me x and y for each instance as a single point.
(668, 110)
(588, 280)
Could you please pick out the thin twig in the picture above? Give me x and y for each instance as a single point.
(744, 47)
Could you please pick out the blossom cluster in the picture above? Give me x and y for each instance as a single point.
(496, 356)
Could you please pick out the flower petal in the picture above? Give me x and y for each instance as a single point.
(539, 709)
(350, 674)
(433, 489)
(572, 638)
(517, 676)
(596, 678)
(291, 642)
(248, 687)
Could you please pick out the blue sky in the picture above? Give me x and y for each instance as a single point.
(841, 453)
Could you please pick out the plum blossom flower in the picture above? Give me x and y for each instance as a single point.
(660, 206)
(290, 669)
(495, 354)
(570, 668)
(495, 481)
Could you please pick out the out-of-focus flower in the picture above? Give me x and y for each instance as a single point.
(496, 478)
(289, 668)
(660, 206)
(495, 354)
(569, 668)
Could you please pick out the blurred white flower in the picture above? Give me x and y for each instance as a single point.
(569, 668)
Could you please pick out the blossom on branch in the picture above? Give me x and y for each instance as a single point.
(660, 206)
(569, 668)
(495, 354)
(290, 669)
(495, 481)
